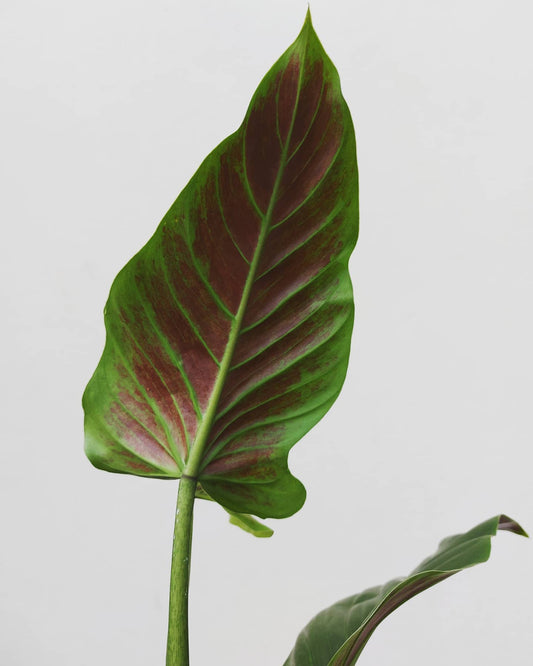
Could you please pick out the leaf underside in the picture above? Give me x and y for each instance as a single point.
(228, 334)
(338, 634)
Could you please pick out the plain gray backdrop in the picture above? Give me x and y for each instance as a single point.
(107, 108)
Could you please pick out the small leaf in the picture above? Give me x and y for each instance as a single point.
(243, 520)
(250, 524)
(228, 334)
(338, 634)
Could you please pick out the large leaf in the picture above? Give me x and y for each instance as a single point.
(228, 334)
(337, 635)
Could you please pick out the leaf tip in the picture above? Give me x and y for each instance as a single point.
(307, 30)
(510, 525)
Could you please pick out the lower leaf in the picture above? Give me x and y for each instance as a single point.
(338, 634)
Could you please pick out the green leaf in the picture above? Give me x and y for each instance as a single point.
(228, 334)
(250, 524)
(243, 520)
(338, 634)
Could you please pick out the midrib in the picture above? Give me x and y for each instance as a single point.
(192, 466)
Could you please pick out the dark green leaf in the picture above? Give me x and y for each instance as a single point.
(228, 334)
(337, 635)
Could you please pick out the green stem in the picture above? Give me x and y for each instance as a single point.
(178, 615)
(178, 621)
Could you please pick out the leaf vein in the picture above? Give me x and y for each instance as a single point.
(107, 428)
(219, 444)
(315, 113)
(271, 343)
(170, 351)
(284, 368)
(329, 219)
(230, 234)
(218, 300)
(313, 190)
(150, 402)
(287, 298)
(120, 442)
(184, 311)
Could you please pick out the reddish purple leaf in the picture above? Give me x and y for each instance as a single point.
(228, 334)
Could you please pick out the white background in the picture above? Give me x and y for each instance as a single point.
(107, 108)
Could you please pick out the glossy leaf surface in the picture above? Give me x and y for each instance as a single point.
(228, 334)
(338, 634)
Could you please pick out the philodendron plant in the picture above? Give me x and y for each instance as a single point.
(228, 338)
